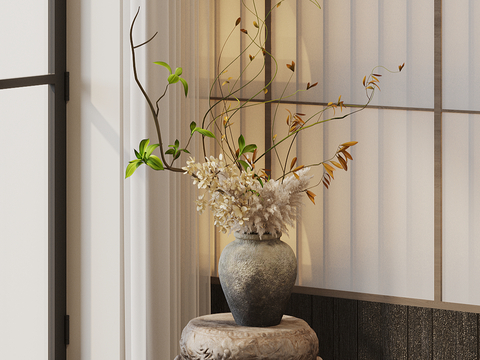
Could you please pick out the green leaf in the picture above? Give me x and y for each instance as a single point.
(177, 144)
(150, 149)
(155, 163)
(177, 155)
(143, 145)
(178, 71)
(241, 143)
(249, 148)
(134, 164)
(260, 181)
(193, 125)
(170, 151)
(244, 164)
(172, 78)
(204, 132)
(164, 64)
(184, 150)
(185, 85)
(137, 154)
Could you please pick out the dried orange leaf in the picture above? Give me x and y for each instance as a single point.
(311, 196)
(337, 164)
(377, 75)
(329, 169)
(294, 160)
(244, 31)
(374, 78)
(255, 24)
(370, 87)
(298, 177)
(311, 86)
(400, 67)
(280, 3)
(342, 162)
(274, 137)
(325, 184)
(330, 103)
(346, 153)
(350, 143)
(291, 66)
(238, 21)
(328, 166)
(265, 90)
(251, 57)
(299, 167)
(364, 78)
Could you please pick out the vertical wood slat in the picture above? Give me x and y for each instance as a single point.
(300, 306)
(382, 331)
(322, 324)
(218, 301)
(420, 333)
(345, 329)
(455, 335)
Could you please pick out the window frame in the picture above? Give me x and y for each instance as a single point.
(57, 79)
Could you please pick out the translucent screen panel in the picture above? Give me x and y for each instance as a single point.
(341, 43)
(24, 223)
(461, 208)
(24, 48)
(461, 55)
(372, 230)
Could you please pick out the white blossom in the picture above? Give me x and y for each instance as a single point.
(240, 203)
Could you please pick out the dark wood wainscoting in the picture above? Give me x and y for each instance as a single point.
(353, 329)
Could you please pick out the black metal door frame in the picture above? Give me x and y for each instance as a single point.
(57, 79)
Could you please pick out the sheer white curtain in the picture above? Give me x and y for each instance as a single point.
(167, 268)
(372, 231)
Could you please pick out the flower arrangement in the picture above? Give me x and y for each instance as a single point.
(242, 197)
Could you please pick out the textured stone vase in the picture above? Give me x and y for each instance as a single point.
(257, 277)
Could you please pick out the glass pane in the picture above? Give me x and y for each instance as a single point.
(24, 48)
(341, 43)
(372, 231)
(461, 55)
(461, 208)
(24, 223)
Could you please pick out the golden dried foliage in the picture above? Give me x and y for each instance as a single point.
(341, 162)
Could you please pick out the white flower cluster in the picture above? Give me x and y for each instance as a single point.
(240, 203)
(277, 206)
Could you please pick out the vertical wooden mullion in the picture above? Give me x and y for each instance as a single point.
(268, 78)
(438, 246)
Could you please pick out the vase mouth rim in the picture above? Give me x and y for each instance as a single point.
(255, 236)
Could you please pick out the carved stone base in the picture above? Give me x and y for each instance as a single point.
(218, 337)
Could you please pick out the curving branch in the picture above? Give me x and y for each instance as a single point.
(153, 111)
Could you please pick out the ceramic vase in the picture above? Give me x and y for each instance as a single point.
(257, 278)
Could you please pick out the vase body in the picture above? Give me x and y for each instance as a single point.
(257, 278)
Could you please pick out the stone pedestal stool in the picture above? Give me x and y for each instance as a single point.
(217, 337)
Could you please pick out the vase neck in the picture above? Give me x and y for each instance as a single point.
(255, 236)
